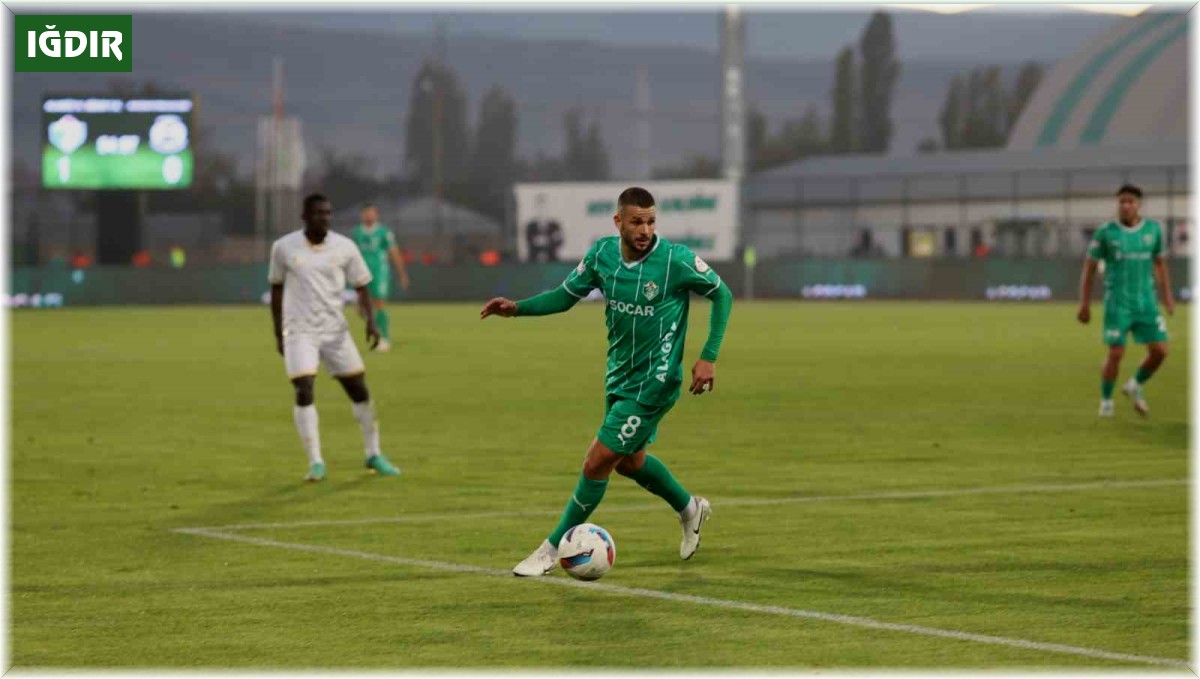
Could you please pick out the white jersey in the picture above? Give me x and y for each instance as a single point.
(313, 278)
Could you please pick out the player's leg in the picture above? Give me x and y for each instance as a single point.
(300, 356)
(379, 295)
(1152, 333)
(650, 473)
(1116, 328)
(346, 364)
(589, 491)
(1108, 377)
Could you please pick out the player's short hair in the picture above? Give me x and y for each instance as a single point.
(369, 206)
(1132, 190)
(635, 196)
(313, 198)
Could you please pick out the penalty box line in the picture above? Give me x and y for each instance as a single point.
(728, 604)
(719, 503)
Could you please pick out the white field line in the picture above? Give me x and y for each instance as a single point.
(849, 620)
(744, 502)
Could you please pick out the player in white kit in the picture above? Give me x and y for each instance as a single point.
(308, 272)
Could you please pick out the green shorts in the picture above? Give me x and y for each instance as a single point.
(630, 426)
(379, 286)
(1147, 327)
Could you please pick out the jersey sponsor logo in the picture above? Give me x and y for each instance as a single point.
(631, 309)
(701, 265)
(650, 290)
(664, 364)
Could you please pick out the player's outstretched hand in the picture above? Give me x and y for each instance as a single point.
(1084, 315)
(1169, 306)
(373, 335)
(499, 306)
(703, 375)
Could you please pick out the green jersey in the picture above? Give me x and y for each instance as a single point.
(374, 244)
(646, 313)
(1128, 254)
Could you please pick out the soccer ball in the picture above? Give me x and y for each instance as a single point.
(587, 552)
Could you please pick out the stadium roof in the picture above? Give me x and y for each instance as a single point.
(998, 174)
(1129, 85)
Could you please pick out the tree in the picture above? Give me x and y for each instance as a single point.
(1027, 83)
(596, 154)
(437, 101)
(585, 157)
(493, 160)
(843, 123)
(879, 72)
(952, 119)
(348, 177)
(796, 139)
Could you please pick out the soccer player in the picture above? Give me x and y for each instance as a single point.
(646, 281)
(377, 244)
(1132, 251)
(308, 272)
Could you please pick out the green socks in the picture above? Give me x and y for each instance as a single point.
(588, 494)
(381, 322)
(1143, 375)
(656, 478)
(1106, 389)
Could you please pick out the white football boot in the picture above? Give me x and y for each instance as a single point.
(1134, 391)
(383, 347)
(690, 521)
(1106, 408)
(543, 560)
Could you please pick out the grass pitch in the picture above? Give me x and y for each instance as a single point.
(939, 466)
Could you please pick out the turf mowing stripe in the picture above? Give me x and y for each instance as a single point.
(750, 502)
(849, 620)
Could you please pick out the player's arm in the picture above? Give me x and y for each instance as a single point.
(1163, 280)
(277, 315)
(359, 276)
(367, 311)
(275, 276)
(398, 260)
(553, 301)
(697, 277)
(1091, 261)
(578, 284)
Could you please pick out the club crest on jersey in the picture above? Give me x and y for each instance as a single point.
(701, 265)
(581, 268)
(1147, 239)
(650, 290)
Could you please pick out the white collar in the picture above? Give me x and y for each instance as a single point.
(630, 265)
(1135, 227)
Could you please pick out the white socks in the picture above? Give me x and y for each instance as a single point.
(365, 414)
(310, 435)
(689, 511)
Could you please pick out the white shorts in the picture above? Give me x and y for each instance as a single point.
(302, 354)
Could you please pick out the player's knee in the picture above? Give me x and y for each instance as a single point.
(356, 388)
(630, 465)
(1115, 354)
(304, 391)
(1158, 351)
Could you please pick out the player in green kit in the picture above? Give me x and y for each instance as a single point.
(1131, 249)
(647, 282)
(377, 244)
